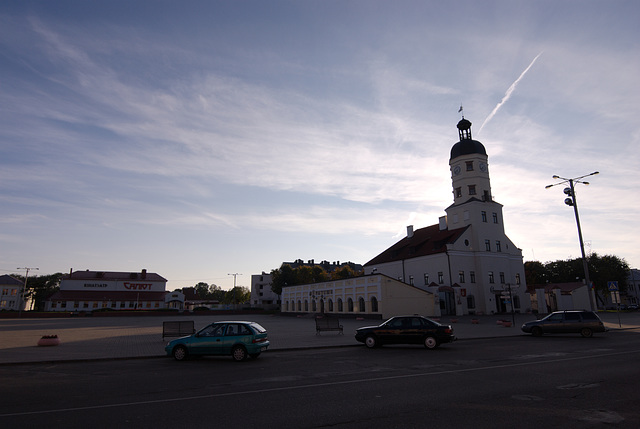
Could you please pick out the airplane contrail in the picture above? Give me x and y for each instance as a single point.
(507, 94)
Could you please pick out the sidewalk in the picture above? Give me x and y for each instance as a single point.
(141, 337)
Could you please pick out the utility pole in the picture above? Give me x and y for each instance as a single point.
(24, 287)
(235, 298)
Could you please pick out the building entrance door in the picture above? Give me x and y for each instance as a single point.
(447, 302)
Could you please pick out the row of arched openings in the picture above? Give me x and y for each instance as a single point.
(330, 308)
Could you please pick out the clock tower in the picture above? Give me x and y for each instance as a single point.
(470, 179)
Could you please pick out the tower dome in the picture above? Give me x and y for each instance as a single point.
(466, 145)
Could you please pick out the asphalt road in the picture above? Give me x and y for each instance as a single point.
(522, 382)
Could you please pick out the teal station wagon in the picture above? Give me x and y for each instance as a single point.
(237, 339)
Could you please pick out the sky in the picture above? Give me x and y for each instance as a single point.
(199, 139)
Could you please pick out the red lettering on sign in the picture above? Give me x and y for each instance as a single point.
(137, 286)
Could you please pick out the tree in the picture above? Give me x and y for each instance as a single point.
(202, 290)
(343, 272)
(39, 288)
(284, 276)
(535, 273)
(237, 295)
(602, 269)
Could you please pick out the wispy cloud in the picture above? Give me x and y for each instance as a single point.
(508, 94)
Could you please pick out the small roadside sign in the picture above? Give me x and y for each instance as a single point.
(613, 286)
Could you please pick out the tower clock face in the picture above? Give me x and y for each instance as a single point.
(483, 167)
(456, 170)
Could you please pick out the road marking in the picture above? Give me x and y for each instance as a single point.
(310, 386)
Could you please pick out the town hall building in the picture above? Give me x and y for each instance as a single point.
(466, 260)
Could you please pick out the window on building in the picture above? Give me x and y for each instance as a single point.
(472, 276)
(517, 278)
(286, 306)
(340, 305)
(487, 245)
(426, 279)
(495, 217)
(330, 305)
(350, 305)
(491, 279)
(374, 304)
(472, 189)
(299, 305)
(306, 305)
(469, 165)
(501, 277)
(461, 276)
(5, 291)
(361, 307)
(440, 277)
(313, 306)
(458, 192)
(484, 216)
(471, 301)
(516, 301)
(85, 305)
(498, 247)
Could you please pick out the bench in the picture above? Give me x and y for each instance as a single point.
(177, 329)
(328, 324)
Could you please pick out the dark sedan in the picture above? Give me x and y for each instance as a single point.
(406, 330)
(564, 322)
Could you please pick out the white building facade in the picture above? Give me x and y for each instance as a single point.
(11, 298)
(84, 291)
(371, 295)
(261, 294)
(466, 259)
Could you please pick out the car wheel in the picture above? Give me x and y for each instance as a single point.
(536, 331)
(180, 353)
(430, 342)
(238, 353)
(254, 355)
(371, 341)
(586, 332)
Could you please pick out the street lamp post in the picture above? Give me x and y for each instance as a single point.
(24, 287)
(572, 201)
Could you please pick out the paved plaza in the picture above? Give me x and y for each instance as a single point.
(89, 338)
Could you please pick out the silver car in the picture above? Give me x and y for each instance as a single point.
(584, 323)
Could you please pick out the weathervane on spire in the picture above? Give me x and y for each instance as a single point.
(460, 110)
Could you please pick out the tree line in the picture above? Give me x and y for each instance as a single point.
(305, 274)
(602, 269)
(236, 295)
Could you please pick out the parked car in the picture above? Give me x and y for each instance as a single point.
(561, 322)
(237, 339)
(406, 330)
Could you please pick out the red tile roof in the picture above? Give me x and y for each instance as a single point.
(113, 275)
(425, 241)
